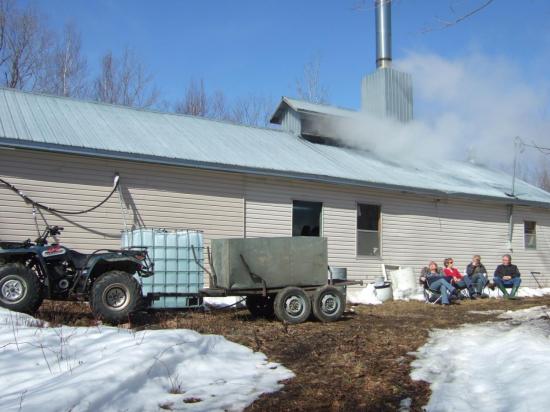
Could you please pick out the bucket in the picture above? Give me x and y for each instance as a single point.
(339, 274)
(383, 290)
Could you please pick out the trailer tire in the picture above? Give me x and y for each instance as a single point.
(114, 296)
(20, 289)
(292, 305)
(260, 306)
(329, 304)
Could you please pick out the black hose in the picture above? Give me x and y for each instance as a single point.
(58, 211)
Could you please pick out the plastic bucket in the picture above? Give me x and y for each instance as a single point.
(383, 291)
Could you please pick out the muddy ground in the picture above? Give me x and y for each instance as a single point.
(359, 363)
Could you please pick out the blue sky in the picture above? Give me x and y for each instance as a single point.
(260, 46)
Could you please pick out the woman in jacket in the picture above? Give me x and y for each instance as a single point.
(456, 278)
(436, 281)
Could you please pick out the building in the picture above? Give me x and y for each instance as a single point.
(235, 181)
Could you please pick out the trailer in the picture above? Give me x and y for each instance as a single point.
(288, 277)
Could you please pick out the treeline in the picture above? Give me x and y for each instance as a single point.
(35, 57)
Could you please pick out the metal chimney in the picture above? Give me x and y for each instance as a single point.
(382, 10)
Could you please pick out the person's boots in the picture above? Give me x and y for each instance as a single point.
(504, 291)
(513, 293)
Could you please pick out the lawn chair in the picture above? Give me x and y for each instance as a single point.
(431, 296)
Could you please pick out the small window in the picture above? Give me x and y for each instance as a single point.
(306, 218)
(368, 230)
(530, 231)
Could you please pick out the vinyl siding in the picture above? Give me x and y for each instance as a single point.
(415, 229)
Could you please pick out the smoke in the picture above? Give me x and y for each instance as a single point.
(468, 108)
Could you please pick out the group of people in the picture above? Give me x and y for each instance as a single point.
(449, 280)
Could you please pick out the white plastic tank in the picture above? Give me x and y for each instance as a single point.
(175, 268)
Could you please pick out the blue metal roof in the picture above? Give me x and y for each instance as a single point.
(34, 121)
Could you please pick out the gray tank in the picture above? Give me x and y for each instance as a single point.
(257, 263)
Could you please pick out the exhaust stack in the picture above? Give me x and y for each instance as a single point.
(382, 10)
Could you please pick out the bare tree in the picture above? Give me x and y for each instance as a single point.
(196, 101)
(124, 81)
(309, 87)
(24, 46)
(543, 175)
(218, 107)
(254, 110)
(66, 74)
(459, 10)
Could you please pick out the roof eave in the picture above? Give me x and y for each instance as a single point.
(100, 153)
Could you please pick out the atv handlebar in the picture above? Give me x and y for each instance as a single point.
(49, 231)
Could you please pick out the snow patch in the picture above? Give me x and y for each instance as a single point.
(224, 302)
(363, 296)
(111, 369)
(494, 366)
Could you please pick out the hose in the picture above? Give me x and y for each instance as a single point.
(59, 211)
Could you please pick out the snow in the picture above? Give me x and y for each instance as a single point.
(362, 296)
(112, 369)
(224, 302)
(494, 366)
(366, 295)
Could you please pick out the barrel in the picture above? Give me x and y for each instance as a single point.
(383, 290)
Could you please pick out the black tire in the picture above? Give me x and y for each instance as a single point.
(260, 306)
(329, 304)
(114, 296)
(20, 289)
(292, 305)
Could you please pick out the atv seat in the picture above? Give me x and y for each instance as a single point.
(79, 259)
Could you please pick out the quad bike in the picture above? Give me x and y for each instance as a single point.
(31, 272)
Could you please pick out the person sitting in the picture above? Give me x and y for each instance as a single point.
(456, 278)
(437, 282)
(507, 275)
(478, 275)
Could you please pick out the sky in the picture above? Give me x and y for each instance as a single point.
(251, 46)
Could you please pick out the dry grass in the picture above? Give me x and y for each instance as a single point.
(359, 363)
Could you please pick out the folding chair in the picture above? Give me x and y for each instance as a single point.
(431, 296)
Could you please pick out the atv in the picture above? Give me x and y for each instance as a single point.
(31, 272)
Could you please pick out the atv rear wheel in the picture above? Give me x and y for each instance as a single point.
(114, 296)
(20, 288)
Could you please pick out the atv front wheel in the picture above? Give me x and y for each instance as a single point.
(20, 288)
(114, 296)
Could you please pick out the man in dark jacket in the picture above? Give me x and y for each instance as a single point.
(507, 275)
(478, 274)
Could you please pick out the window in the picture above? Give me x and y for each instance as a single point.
(306, 218)
(530, 232)
(368, 230)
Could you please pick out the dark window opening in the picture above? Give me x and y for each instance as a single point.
(530, 233)
(368, 230)
(306, 218)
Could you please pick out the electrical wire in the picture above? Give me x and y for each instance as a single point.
(59, 211)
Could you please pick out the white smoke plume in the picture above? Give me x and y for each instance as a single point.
(468, 108)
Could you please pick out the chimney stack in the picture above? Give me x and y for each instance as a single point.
(383, 33)
(386, 92)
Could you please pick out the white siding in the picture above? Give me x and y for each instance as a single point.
(155, 196)
(415, 229)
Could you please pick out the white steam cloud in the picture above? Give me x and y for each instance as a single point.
(465, 108)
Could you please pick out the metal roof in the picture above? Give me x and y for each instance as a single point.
(57, 124)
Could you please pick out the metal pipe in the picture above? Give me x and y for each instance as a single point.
(382, 11)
